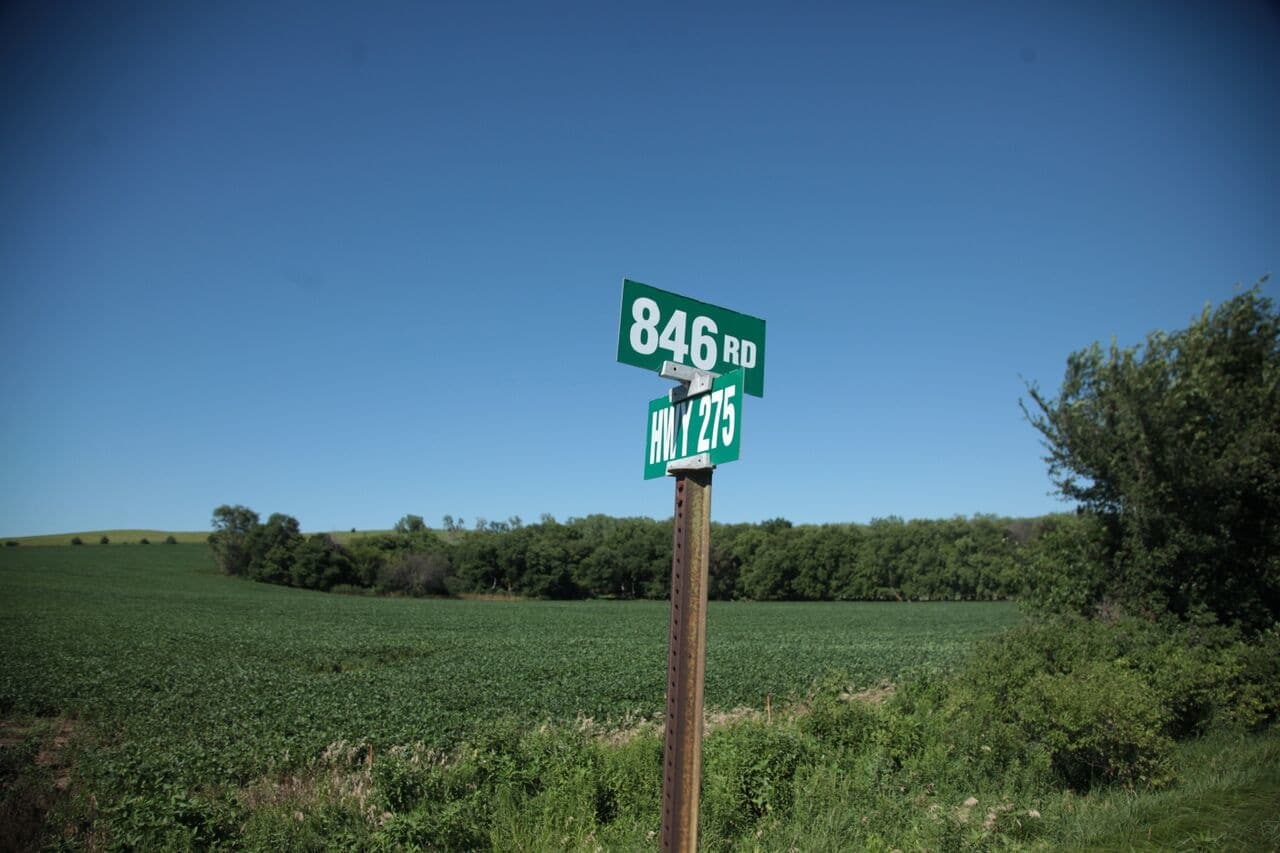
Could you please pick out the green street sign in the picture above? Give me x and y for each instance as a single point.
(709, 423)
(657, 326)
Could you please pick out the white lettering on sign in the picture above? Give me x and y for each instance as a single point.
(681, 338)
(669, 433)
(685, 420)
(669, 428)
(719, 418)
(731, 349)
(644, 331)
(704, 346)
(730, 414)
(672, 338)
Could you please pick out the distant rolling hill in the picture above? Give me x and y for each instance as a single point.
(154, 537)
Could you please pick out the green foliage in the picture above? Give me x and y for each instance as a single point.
(1227, 802)
(410, 524)
(1098, 702)
(416, 574)
(1064, 566)
(749, 770)
(602, 556)
(1099, 723)
(168, 540)
(1257, 684)
(232, 528)
(76, 540)
(144, 541)
(834, 719)
(277, 551)
(104, 540)
(1175, 448)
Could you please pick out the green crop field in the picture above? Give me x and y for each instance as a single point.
(214, 678)
(205, 678)
(146, 700)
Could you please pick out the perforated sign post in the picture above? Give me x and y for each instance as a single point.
(717, 356)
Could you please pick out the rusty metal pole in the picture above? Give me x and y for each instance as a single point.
(686, 661)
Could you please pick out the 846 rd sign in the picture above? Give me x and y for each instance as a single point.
(709, 423)
(658, 326)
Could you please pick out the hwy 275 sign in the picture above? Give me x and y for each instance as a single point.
(709, 423)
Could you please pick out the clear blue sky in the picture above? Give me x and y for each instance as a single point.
(353, 261)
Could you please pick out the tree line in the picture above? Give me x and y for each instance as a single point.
(1170, 449)
(978, 558)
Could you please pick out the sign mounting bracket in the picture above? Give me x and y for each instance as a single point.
(692, 381)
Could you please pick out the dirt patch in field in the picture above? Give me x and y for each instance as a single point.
(629, 728)
(36, 774)
(877, 695)
(713, 720)
(53, 754)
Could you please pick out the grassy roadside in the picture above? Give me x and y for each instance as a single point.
(1228, 799)
(769, 784)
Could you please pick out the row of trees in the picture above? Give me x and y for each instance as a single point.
(890, 559)
(1170, 449)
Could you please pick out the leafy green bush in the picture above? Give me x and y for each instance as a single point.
(76, 540)
(417, 575)
(1103, 702)
(1193, 673)
(1100, 723)
(11, 543)
(627, 794)
(104, 540)
(1059, 695)
(837, 720)
(144, 541)
(1064, 566)
(1257, 699)
(170, 540)
(749, 769)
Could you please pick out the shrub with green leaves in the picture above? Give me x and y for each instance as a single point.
(748, 773)
(1100, 723)
(1103, 703)
(1257, 698)
(1173, 447)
